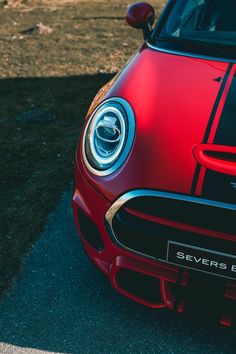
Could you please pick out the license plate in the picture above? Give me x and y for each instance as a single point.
(202, 259)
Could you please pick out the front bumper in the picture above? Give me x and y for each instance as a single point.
(149, 281)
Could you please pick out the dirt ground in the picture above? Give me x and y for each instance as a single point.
(87, 37)
(55, 55)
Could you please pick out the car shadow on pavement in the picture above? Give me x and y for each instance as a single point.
(40, 124)
(61, 303)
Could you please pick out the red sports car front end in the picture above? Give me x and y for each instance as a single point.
(155, 182)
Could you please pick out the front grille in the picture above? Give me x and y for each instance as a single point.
(145, 224)
(201, 215)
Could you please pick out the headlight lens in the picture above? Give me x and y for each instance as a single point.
(108, 136)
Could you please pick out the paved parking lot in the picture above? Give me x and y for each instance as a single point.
(61, 303)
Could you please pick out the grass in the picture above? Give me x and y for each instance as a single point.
(55, 76)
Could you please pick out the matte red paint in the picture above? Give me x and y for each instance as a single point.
(166, 129)
(172, 115)
(87, 199)
(114, 258)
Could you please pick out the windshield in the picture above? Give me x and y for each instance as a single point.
(202, 23)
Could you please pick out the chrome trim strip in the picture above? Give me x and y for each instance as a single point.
(190, 55)
(130, 138)
(111, 212)
(153, 193)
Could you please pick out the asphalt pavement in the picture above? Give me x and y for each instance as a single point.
(61, 303)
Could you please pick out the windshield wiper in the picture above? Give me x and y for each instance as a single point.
(192, 42)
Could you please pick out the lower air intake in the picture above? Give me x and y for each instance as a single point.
(90, 231)
(140, 285)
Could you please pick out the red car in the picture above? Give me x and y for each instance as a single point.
(155, 183)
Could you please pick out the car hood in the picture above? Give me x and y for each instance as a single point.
(176, 100)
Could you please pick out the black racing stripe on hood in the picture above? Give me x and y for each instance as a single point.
(226, 131)
(209, 126)
(220, 187)
(195, 178)
(216, 104)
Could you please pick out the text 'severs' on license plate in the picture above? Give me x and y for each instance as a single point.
(202, 259)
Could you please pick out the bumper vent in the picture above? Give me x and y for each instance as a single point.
(140, 285)
(90, 231)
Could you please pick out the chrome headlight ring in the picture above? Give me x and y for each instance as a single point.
(108, 136)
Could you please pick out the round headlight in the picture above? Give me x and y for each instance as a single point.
(108, 136)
